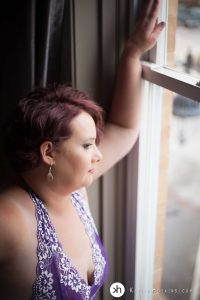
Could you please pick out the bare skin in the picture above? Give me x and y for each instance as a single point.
(18, 264)
(18, 242)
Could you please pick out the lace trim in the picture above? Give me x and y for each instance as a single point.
(98, 259)
(49, 246)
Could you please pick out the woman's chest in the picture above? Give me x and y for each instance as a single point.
(75, 243)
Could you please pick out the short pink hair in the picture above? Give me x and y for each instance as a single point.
(45, 114)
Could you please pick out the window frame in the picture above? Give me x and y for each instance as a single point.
(175, 81)
(148, 171)
(158, 73)
(155, 77)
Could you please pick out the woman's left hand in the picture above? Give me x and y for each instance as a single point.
(146, 32)
(122, 128)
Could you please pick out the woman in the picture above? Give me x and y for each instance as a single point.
(50, 248)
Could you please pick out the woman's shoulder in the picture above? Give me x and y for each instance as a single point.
(8, 201)
(12, 199)
(14, 204)
(13, 216)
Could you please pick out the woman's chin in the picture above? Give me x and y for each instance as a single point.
(89, 181)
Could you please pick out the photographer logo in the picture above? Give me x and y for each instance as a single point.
(117, 289)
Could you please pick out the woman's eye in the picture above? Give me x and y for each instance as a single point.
(86, 146)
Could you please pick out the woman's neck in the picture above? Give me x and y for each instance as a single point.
(54, 197)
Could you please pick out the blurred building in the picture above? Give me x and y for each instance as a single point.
(190, 2)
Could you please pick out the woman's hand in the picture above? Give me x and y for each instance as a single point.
(146, 32)
(122, 128)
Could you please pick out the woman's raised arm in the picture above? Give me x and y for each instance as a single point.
(122, 128)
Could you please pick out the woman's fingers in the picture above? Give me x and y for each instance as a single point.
(150, 24)
(157, 30)
(147, 29)
(151, 16)
(147, 8)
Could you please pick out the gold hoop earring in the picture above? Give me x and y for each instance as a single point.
(49, 174)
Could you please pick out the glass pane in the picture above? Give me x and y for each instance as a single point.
(184, 18)
(182, 214)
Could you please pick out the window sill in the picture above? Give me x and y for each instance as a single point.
(175, 81)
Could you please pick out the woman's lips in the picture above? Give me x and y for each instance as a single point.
(91, 171)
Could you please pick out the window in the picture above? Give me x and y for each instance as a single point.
(182, 207)
(162, 72)
(187, 50)
(166, 70)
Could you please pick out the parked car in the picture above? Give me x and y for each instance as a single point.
(189, 16)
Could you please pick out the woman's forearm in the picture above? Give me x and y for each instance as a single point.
(126, 104)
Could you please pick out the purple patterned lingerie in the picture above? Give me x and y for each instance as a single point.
(56, 277)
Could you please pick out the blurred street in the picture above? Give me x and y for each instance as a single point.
(182, 234)
(182, 228)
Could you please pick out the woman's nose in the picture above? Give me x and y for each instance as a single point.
(97, 155)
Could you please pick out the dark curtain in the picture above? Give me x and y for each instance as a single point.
(78, 41)
(35, 50)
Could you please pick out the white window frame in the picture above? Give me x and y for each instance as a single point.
(155, 76)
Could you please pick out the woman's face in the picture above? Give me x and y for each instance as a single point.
(76, 158)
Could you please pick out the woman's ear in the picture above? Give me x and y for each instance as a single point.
(47, 152)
